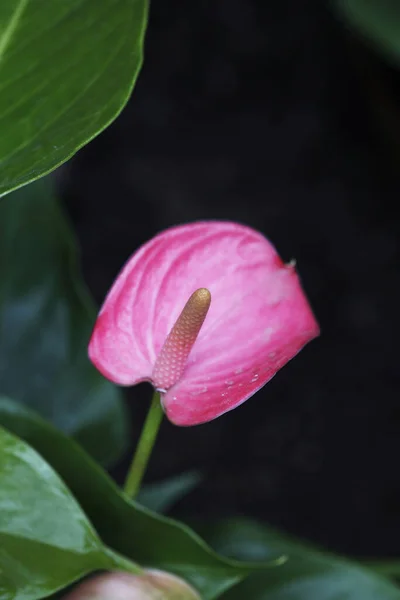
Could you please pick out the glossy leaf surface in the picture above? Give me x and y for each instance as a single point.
(139, 534)
(66, 71)
(46, 541)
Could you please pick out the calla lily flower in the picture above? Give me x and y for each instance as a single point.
(206, 312)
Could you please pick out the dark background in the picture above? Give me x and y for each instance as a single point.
(259, 112)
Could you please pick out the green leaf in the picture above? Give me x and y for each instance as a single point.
(67, 69)
(377, 20)
(46, 317)
(123, 525)
(162, 495)
(306, 575)
(46, 542)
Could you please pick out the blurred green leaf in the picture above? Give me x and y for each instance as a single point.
(67, 69)
(46, 541)
(130, 529)
(376, 20)
(46, 317)
(306, 575)
(162, 495)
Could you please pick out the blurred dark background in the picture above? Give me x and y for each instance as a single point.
(267, 113)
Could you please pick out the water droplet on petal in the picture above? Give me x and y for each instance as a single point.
(197, 392)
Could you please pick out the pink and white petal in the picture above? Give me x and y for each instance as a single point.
(218, 255)
(250, 316)
(266, 323)
(121, 346)
(153, 287)
(143, 304)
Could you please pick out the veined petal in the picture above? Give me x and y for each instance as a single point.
(262, 329)
(145, 301)
(259, 317)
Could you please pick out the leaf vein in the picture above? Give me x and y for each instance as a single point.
(65, 109)
(12, 27)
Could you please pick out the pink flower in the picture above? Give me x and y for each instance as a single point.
(208, 313)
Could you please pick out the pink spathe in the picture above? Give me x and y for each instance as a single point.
(258, 319)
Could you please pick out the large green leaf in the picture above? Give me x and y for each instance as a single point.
(46, 541)
(67, 68)
(377, 20)
(45, 322)
(306, 575)
(125, 526)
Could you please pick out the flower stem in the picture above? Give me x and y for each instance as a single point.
(144, 447)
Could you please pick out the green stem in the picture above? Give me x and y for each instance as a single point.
(144, 447)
